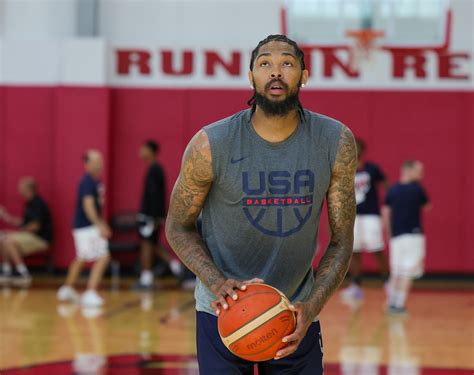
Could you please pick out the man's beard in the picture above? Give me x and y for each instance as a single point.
(278, 108)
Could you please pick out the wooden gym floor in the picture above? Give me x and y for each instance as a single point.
(153, 333)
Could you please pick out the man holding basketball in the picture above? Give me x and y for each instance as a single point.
(260, 178)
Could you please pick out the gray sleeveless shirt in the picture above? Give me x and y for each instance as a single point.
(261, 216)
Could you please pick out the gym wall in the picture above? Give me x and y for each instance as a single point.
(62, 93)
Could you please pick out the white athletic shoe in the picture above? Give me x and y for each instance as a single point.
(352, 293)
(67, 294)
(90, 298)
(5, 277)
(189, 284)
(66, 310)
(89, 312)
(21, 280)
(176, 267)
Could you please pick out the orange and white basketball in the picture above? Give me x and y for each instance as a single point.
(254, 325)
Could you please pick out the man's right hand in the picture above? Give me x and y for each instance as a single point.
(105, 231)
(227, 288)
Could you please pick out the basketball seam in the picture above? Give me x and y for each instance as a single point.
(268, 347)
(261, 292)
(243, 331)
(257, 293)
(250, 321)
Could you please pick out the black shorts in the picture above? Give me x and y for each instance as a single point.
(148, 230)
(215, 359)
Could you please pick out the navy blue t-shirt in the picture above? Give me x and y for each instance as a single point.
(153, 199)
(87, 186)
(366, 180)
(406, 202)
(37, 210)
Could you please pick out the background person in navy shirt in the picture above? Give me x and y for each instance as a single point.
(402, 214)
(34, 233)
(368, 232)
(90, 233)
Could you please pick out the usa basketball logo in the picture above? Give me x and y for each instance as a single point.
(278, 203)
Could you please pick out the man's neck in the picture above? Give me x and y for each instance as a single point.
(405, 180)
(274, 129)
(93, 175)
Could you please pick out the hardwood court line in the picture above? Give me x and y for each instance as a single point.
(54, 286)
(176, 311)
(135, 362)
(122, 308)
(454, 291)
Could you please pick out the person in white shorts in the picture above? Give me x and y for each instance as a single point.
(402, 217)
(90, 234)
(368, 232)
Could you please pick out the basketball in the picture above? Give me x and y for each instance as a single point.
(254, 325)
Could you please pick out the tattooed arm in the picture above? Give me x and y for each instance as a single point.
(341, 214)
(188, 196)
(187, 199)
(335, 262)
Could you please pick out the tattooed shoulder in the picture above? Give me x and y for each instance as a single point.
(341, 197)
(197, 160)
(194, 181)
(347, 153)
(187, 199)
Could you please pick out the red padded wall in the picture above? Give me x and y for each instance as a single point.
(27, 141)
(82, 122)
(139, 114)
(208, 106)
(466, 170)
(2, 148)
(429, 127)
(44, 131)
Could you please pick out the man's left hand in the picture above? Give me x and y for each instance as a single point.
(305, 315)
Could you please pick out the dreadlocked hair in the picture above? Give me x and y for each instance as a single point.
(299, 54)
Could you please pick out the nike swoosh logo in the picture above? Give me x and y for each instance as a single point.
(233, 161)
